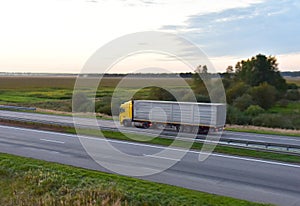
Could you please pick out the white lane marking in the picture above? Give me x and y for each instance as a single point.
(159, 157)
(255, 160)
(37, 131)
(54, 141)
(154, 146)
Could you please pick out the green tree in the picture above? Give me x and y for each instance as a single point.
(261, 69)
(201, 73)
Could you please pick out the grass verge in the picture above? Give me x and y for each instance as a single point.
(26, 181)
(264, 131)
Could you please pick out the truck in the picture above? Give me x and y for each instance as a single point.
(181, 116)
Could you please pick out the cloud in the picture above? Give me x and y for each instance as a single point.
(270, 27)
(137, 3)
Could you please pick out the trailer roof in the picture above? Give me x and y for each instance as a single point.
(174, 102)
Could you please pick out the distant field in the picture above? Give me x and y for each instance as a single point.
(295, 80)
(21, 82)
(55, 93)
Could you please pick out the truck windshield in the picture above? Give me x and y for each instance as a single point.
(122, 110)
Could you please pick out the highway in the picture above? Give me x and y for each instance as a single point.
(86, 122)
(244, 178)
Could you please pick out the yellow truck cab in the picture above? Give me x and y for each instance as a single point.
(125, 115)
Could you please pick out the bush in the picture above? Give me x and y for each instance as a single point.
(104, 106)
(158, 93)
(202, 98)
(235, 116)
(236, 91)
(293, 95)
(273, 120)
(283, 103)
(264, 95)
(254, 110)
(81, 103)
(243, 102)
(296, 122)
(292, 86)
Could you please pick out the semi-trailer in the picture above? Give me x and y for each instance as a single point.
(182, 116)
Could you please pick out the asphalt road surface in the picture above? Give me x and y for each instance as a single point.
(244, 178)
(280, 139)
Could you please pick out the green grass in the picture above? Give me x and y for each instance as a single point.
(285, 133)
(26, 181)
(292, 108)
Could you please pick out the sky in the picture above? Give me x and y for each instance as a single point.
(59, 36)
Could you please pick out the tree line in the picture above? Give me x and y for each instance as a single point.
(252, 87)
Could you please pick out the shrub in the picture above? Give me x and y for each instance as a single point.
(104, 105)
(283, 103)
(254, 110)
(264, 95)
(292, 86)
(235, 116)
(273, 120)
(293, 95)
(202, 98)
(236, 91)
(296, 122)
(81, 103)
(243, 102)
(158, 93)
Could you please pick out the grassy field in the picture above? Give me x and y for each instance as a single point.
(24, 181)
(56, 92)
(32, 82)
(289, 109)
(295, 80)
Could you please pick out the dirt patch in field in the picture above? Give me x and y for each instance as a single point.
(70, 113)
(27, 125)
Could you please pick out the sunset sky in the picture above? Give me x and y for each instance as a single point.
(60, 35)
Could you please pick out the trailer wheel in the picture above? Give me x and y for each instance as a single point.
(146, 125)
(188, 129)
(203, 130)
(177, 128)
(195, 130)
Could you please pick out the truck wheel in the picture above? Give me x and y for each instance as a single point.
(126, 123)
